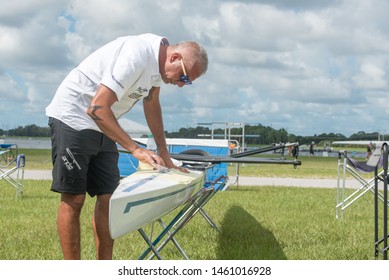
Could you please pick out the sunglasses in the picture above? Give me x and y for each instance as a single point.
(184, 78)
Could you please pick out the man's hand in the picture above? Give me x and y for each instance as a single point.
(170, 164)
(147, 156)
(182, 169)
(155, 160)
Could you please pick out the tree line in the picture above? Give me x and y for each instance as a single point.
(264, 135)
(254, 134)
(28, 130)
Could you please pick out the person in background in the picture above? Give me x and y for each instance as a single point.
(84, 128)
(369, 150)
(295, 150)
(311, 150)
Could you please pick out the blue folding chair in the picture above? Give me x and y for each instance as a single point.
(12, 167)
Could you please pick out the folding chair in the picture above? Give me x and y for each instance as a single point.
(355, 168)
(11, 162)
(381, 243)
(193, 206)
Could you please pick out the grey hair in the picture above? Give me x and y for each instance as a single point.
(194, 54)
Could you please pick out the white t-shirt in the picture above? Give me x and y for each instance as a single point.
(128, 66)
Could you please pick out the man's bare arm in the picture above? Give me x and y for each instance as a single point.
(100, 111)
(153, 114)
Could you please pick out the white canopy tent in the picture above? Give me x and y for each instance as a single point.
(134, 129)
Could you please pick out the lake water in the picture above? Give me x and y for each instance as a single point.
(29, 143)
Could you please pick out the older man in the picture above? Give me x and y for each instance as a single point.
(83, 120)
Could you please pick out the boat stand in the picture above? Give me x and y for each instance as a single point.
(381, 243)
(193, 206)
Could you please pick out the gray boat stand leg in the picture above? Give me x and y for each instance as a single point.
(192, 207)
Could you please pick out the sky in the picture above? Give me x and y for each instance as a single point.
(309, 67)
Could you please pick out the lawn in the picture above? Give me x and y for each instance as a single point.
(37, 158)
(312, 167)
(318, 167)
(272, 223)
(278, 223)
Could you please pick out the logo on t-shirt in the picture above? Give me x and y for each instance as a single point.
(114, 78)
(138, 93)
(142, 90)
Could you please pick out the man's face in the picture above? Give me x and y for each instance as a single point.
(177, 71)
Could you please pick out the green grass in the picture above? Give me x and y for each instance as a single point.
(316, 167)
(311, 167)
(38, 159)
(257, 223)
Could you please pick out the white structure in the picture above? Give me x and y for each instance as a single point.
(134, 129)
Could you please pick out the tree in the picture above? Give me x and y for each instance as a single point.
(254, 134)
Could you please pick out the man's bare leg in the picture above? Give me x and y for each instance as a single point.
(68, 224)
(104, 242)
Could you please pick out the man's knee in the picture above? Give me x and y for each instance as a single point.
(73, 201)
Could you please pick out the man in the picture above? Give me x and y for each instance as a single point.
(83, 120)
(311, 150)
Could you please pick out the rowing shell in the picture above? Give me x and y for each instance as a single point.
(147, 195)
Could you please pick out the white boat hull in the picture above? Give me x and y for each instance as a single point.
(146, 196)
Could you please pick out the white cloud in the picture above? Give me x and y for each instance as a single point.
(13, 92)
(306, 66)
(371, 76)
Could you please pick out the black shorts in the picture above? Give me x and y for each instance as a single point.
(84, 161)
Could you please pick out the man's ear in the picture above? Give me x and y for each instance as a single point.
(174, 57)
